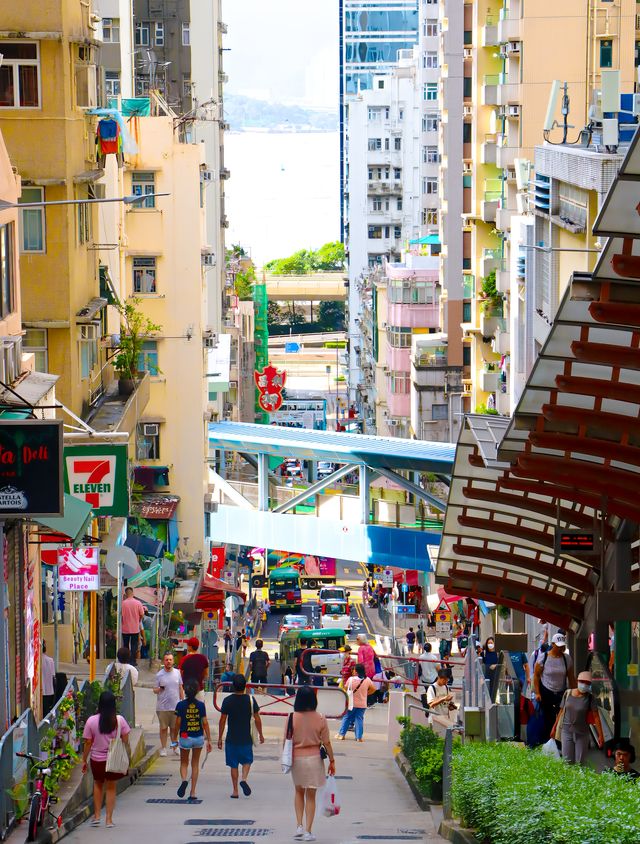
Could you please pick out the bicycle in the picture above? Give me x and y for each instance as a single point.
(40, 797)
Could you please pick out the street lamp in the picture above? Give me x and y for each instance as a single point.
(130, 199)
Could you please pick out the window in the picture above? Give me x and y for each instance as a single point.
(144, 275)
(143, 184)
(466, 352)
(439, 412)
(186, 85)
(7, 270)
(397, 144)
(466, 311)
(430, 60)
(466, 133)
(430, 122)
(430, 217)
(148, 441)
(112, 83)
(431, 28)
(35, 342)
(572, 204)
(467, 87)
(399, 382)
(88, 342)
(111, 30)
(468, 37)
(606, 52)
(397, 173)
(84, 220)
(142, 34)
(370, 173)
(380, 83)
(373, 113)
(399, 203)
(430, 91)
(387, 113)
(401, 114)
(399, 338)
(430, 155)
(186, 35)
(148, 357)
(386, 144)
(374, 144)
(429, 185)
(386, 231)
(374, 232)
(467, 180)
(32, 236)
(19, 75)
(377, 205)
(158, 35)
(397, 232)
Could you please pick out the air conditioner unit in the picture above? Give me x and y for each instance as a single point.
(393, 423)
(224, 127)
(467, 110)
(207, 176)
(225, 173)
(466, 167)
(468, 52)
(210, 342)
(514, 111)
(150, 429)
(208, 259)
(513, 47)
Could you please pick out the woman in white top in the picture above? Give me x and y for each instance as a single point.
(122, 666)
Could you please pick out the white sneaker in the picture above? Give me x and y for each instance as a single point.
(308, 836)
(299, 833)
(163, 752)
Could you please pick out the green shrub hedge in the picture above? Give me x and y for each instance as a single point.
(424, 750)
(512, 795)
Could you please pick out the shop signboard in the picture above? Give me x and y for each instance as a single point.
(98, 474)
(78, 569)
(217, 561)
(405, 609)
(31, 468)
(270, 383)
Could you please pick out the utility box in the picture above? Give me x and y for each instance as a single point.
(474, 724)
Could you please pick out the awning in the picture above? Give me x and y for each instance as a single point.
(91, 310)
(157, 507)
(214, 583)
(33, 387)
(146, 546)
(145, 577)
(427, 240)
(73, 524)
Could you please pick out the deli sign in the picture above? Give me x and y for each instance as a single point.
(97, 474)
(31, 468)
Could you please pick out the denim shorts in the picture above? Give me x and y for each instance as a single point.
(238, 754)
(191, 742)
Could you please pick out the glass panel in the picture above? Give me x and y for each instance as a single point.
(6, 86)
(18, 50)
(32, 239)
(28, 86)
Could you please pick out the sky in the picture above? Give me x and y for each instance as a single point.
(283, 50)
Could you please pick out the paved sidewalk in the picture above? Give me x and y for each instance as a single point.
(376, 801)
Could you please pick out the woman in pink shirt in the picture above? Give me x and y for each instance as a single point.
(360, 687)
(98, 732)
(366, 655)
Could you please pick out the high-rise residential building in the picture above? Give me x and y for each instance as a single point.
(512, 54)
(371, 34)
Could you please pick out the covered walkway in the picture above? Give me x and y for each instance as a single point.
(334, 523)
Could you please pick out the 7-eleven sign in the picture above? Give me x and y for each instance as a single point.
(98, 475)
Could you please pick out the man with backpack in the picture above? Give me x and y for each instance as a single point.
(259, 663)
(552, 676)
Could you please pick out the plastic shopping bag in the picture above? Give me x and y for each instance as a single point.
(329, 798)
(287, 748)
(551, 749)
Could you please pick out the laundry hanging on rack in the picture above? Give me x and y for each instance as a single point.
(108, 136)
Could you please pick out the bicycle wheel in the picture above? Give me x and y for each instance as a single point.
(34, 817)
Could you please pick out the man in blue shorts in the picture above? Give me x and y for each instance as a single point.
(239, 708)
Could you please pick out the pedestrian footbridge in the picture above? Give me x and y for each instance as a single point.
(380, 505)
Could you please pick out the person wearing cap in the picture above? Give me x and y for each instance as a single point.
(623, 759)
(577, 710)
(194, 666)
(552, 676)
(348, 664)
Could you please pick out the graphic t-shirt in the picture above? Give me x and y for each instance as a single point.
(237, 708)
(191, 714)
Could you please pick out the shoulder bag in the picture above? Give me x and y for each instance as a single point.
(558, 733)
(287, 747)
(350, 692)
(117, 755)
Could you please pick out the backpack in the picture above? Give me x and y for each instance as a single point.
(259, 664)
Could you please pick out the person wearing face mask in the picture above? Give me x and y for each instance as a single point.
(489, 658)
(571, 727)
(552, 676)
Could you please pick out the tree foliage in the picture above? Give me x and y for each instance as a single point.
(244, 281)
(274, 314)
(331, 316)
(329, 257)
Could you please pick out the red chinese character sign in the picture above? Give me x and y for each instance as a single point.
(270, 383)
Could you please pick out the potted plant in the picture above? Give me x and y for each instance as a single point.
(490, 297)
(135, 327)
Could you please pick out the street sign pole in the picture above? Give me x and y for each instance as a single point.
(56, 644)
(119, 609)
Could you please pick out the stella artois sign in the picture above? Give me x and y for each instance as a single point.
(270, 383)
(97, 474)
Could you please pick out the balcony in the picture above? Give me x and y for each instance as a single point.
(491, 320)
(503, 281)
(491, 260)
(505, 156)
(489, 33)
(508, 93)
(399, 404)
(489, 209)
(381, 187)
(489, 380)
(503, 219)
(509, 29)
(488, 150)
(468, 286)
(115, 412)
(414, 316)
(501, 343)
(398, 360)
(490, 89)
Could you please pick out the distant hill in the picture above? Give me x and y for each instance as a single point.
(247, 113)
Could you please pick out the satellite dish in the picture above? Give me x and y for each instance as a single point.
(124, 555)
(168, 568)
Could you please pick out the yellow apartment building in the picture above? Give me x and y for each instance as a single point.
(47, 84)
(515, 50)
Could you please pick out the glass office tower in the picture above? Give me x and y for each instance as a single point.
(371, 33)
